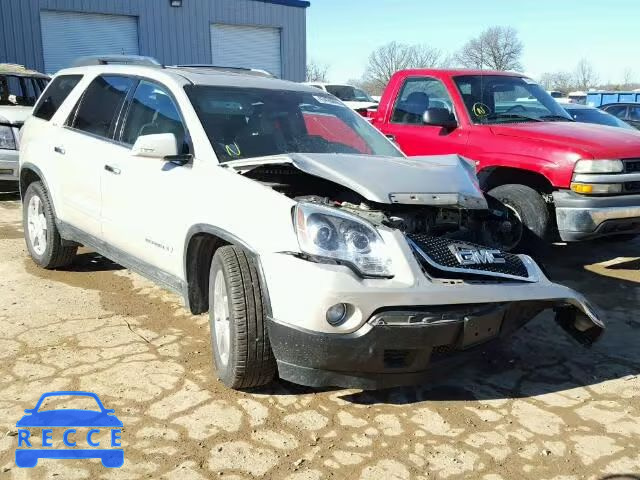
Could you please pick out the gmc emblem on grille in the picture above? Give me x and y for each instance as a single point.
(468, 255)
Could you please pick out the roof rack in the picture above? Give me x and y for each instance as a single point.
(222, 68)
(116, 60)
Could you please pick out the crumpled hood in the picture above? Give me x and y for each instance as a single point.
(14, 115)
(445, 180)
(597, 140)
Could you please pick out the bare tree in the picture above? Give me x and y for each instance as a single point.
(496, 48)
(585, 75)
(388, 59)
(317, 72)
(627, 78)
(561, 81)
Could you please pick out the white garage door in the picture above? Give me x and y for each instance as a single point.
(69, 35)
(246, 47)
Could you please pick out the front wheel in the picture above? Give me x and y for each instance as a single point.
(533, 219)
(44, 243)
(240, 341)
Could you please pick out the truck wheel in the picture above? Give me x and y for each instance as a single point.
(531, 211)
(44, 243)
(239, 339)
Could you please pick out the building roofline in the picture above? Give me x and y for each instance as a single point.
(289, 3)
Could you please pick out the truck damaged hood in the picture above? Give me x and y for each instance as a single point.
(443, 181)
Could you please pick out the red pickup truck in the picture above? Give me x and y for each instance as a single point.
(559, 178)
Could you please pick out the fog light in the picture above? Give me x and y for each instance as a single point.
(596, 188)
(337, 314)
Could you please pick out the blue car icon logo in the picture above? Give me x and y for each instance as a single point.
(28, 453)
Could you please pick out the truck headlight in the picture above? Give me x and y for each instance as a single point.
(599, 166)
(327, 233)
(7, 141)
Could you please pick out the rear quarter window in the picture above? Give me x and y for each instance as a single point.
(54, 95)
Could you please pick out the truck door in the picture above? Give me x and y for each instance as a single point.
(405, 126)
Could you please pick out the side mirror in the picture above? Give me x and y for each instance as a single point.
(159, 145)
(439, 117)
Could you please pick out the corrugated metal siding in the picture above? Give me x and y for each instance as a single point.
(172, 35)
(70, 35)
(247, 46)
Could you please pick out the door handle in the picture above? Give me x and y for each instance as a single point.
(59, 150)
(391, 137)
(111, 169)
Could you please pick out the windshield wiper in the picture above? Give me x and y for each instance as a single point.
(556, 117)
(514, 116)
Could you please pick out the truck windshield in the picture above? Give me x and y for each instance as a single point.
(491, 99)
(255, 122)
(347, 93)
(20, 90)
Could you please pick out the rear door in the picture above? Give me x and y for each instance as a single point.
(139, 193)
(406, 127)
(85, 145)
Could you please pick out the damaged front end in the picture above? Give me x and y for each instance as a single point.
(421, 229)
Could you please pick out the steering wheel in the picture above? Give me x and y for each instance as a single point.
(511, 109)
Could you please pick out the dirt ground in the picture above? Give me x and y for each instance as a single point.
(546, 409)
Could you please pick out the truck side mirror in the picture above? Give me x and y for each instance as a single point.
(439, 117)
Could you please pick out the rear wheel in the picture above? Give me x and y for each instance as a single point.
(44, 243)
(240, 341)
(533, 218)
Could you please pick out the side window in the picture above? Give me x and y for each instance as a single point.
(56, 93)
(634, 113)
(416, 96)
(98, 109)
(152, 111)
(619, 111)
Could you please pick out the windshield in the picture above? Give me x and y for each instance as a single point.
(347, 93)
(594, 115)
(491, 99)
(20, 90)
(252, 122)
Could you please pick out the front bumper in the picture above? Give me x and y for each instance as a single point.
(9, 165)
(581, 218)
(395, 348)
(397, 326)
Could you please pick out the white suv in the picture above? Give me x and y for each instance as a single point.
(320, 251)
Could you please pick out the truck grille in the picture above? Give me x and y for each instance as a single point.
(632, 165)
(437, 258)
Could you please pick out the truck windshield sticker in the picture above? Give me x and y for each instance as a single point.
(327, 100)
(480, 110)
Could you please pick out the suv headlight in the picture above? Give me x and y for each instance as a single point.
(7, 141)
(327, 233)
(599, 166)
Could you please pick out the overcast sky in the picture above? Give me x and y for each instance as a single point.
(555, 33)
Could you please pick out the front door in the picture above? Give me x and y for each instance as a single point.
(141, 206)
(406, 127)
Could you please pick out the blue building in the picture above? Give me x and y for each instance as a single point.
(48, 35)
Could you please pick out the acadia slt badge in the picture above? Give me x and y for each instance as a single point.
(468, 255)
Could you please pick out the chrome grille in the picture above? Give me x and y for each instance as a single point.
(632, 165)
(439, 261)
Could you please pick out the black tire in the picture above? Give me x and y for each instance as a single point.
(534, 214)
(56, 254)
(250, 362)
